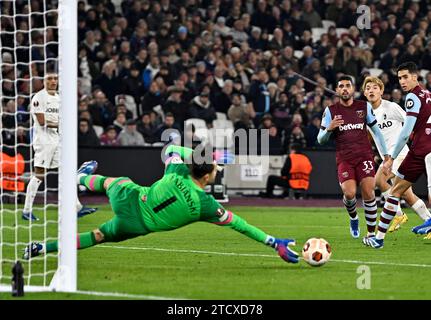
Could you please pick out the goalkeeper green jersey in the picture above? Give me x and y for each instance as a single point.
(175, 201)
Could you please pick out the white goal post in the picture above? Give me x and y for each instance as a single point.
(68, 80)
(63, 277)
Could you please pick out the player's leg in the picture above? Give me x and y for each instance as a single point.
(388, 213)
(365, 174)
(425, 228)
(127, 223)
(32, 187)
(43, 157)
(349, 200)
(417, 204)
(92, 182)
(84, 240)
(347, 180)
(369, 203)
(391, 204)
(382, 182)
(384, 186)
(410, 169)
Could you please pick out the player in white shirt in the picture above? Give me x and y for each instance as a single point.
(390, 118)
(44, 108)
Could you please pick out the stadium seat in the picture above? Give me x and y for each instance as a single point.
(375, 72)
(327, 24)
(276, 162)
(99, 130)
(203, 134)
(201, 130)
(222, 124)
(316, 33)
(221, 116)
(117, 4)
(198, 123)
(158, 144)
(130, 103)
(340, 31)
(298, 54)
(221, 139)
(158, 109)
(424, 73)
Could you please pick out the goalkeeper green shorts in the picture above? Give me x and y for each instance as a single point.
(124, 196)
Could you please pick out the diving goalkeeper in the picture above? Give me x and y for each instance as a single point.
(176, 200)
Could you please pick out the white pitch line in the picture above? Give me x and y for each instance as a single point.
(262, 255)
(126, 295)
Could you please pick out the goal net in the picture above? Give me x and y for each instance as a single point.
(31, 44)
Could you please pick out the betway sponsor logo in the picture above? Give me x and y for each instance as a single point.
(351, 126)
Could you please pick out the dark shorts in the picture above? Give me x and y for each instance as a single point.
(124, 196)
(357, 169)
(411, 168)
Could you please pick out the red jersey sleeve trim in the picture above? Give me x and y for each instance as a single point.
(414, 114)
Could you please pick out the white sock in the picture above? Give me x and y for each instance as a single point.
(32, 188)
(421, 209)
(380, 235)
(385, 194)
(399, 211)
(78, 205)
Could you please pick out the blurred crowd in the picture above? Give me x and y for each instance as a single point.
(146, 66)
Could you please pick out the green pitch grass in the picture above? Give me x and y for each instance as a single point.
(204, 261)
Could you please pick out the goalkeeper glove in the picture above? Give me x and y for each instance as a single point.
(283, 250)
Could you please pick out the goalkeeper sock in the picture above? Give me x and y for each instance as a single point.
(84, 240)
(32, 188)
(93, 182)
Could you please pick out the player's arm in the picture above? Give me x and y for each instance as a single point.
(378, 136)
(178, 151)
(413, 105)
(327, 126)
(37, 107)
(227, 218)
(41, 119)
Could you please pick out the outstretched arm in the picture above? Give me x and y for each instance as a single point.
(183, 152)
(227, 218)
